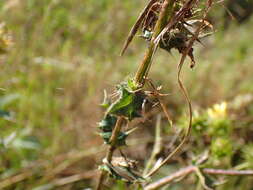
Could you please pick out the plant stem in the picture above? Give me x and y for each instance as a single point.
(190, 169)
(227, 172)
(140, 76)
(113, 141)
(164, 15)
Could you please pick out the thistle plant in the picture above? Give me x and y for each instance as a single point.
(165, 24)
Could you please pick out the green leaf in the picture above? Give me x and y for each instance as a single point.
(126, 98)
(129, 103)
(4, 114)
(121, 140)
(106, 136)
(107, 124)
(221, 147)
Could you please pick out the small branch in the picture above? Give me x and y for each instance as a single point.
(168, 179)
(190, 169)
(227, 172)
(74, 178)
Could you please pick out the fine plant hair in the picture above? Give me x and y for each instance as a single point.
(165, 24)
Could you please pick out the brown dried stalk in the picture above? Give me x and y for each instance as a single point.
(191, 169)
(181, 85)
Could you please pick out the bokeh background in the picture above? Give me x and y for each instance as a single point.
(65, 53)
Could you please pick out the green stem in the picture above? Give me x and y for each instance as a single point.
(164, 15)
(140, 76)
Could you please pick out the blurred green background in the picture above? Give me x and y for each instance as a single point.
(65, 53)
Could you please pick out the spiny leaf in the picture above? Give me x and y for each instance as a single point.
(125, 99)
(129, 103)
(107, 124)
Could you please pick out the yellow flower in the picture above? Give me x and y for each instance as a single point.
(218, 111)
(5, 39)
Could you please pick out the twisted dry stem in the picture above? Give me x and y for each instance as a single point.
(188, 5)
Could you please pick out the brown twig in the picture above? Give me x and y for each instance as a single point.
(227, 172)
(74, 178)
(190, 169)
(162, 104)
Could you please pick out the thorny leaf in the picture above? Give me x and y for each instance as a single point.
(129, 103)
(107, 124)
(124, 100)
(121, 139)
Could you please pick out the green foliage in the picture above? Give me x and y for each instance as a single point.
(106, 126)
(221, 147)
(129, 103)
(248, 154)
(107, 123)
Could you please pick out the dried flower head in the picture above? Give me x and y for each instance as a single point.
(179, 35)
